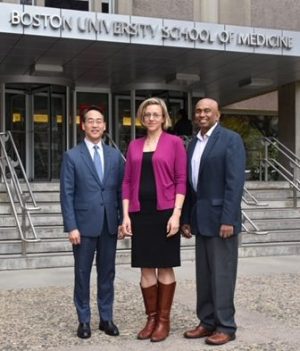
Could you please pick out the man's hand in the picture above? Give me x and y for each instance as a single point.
(226, 231)
(74, 237)
(121, 234)
(186, 231)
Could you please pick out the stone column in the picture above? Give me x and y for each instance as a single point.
(123, 7)
(289, 117)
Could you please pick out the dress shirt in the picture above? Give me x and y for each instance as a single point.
(198, 152)
(91, 149)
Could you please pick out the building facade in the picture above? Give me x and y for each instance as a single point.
(57, 56)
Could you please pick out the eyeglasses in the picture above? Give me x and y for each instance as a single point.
(153, 115)
(97, 121)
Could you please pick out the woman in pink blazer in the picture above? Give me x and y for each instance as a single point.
(153, 192)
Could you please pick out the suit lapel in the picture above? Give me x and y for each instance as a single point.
(86, 157)
(190, 155)
(107, 162)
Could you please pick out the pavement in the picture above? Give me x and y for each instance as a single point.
(37, 311)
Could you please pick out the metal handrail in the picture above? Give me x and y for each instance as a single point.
(291, 157)
(253, 200)
(255, 229)
(112, 142)
(20, 197)
(282, 148)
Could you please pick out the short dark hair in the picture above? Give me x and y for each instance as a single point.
(91, 108)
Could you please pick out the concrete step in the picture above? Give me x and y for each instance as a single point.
(43, 232)
(271, 237)
(272, 213)
(45, 207)
(271, 204)
(277, 194)
(36, 186)
(50, 260)
(57, 245)
(65, 259)
(270, 249)
(43, 246)
(39, 197)
(276, 224)
(271, 185)
(37, 219)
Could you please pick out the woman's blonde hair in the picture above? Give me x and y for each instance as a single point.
(154, 101)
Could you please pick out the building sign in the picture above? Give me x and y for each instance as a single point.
(148, 31)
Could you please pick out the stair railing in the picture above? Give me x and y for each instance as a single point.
(112, 142)
(291, 176)
(253, 227)
(249, 199)
(25, 199)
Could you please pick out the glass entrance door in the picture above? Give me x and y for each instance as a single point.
(49, 130)
(126, 125)
(36, 117)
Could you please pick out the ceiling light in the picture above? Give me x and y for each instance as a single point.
(255, 82)
(183, 78)
(41, 68)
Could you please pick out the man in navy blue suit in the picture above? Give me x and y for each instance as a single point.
(91, 178)
(213, 213)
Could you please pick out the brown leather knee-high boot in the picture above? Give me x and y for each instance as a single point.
(165, 300)
(150, 302)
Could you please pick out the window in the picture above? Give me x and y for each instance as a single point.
(81, 5)
(27, 2)
(105, 7)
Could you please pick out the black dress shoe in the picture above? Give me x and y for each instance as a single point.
(84, 330)
(109, 328)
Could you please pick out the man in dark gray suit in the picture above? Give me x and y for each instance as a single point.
(91, 178)
(213, 213)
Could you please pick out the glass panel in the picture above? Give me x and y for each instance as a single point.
(15, 121)
(41, 122)
(124, 118)
(86, 99)
(124, 123)
(57, 137)
(49, 133)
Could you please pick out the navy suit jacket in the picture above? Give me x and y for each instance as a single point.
(220, 184)
(84, 199)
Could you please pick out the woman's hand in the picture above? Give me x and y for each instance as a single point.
(126, 227)
(173, 225)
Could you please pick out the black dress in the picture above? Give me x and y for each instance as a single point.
(150, 246)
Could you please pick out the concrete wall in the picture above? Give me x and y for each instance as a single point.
(236, 12)
(175, 9)
(277, 14)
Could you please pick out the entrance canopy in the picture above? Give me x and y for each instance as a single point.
(119, 52)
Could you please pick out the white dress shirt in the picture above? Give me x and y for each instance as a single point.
(91, 149)
(198, 152)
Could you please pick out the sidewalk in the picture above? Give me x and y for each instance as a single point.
(37, 311)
